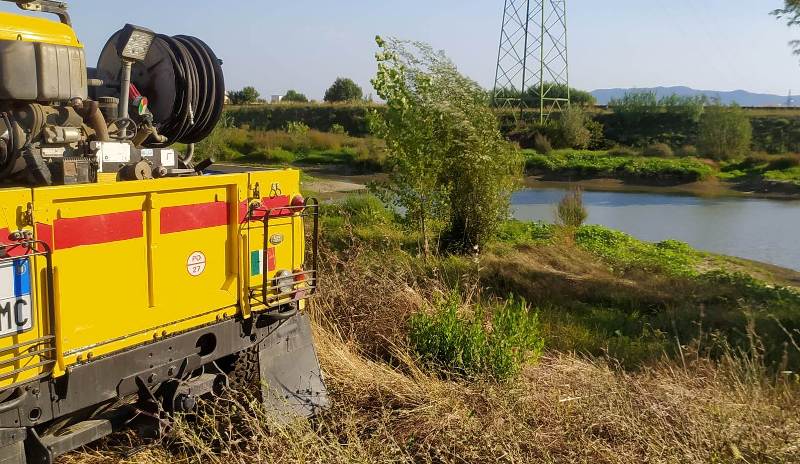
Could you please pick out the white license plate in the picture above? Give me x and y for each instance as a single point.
(16, 315)
(16, 304)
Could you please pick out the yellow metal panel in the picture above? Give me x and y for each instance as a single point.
(289, 254)
(28, 29)
(22, 360)
(125, 288)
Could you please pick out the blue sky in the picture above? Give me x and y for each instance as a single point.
(305, 44)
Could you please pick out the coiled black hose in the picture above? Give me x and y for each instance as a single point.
(200, 91)
(9, 156)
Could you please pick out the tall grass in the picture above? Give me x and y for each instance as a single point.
(296, 144)
(386, 323)
(494, 341)
(570, 211)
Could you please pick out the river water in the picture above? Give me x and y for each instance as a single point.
(758, 229)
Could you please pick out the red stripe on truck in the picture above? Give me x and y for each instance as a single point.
(94, 230)
(192, 217)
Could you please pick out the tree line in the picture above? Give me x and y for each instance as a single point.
(343, 89)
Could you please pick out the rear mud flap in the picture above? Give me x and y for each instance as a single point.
(291, 378)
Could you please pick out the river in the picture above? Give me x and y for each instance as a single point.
(758, 229)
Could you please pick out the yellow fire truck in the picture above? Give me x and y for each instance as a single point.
(134, 280)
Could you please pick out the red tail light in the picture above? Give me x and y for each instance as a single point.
(299, 278)
(299, 202)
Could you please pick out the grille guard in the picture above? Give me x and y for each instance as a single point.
(306, 282)
(45, 347)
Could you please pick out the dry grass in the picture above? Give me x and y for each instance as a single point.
(566, 409)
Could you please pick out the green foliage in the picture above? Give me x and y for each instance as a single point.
(791, 13)
(246, 96)
(791, 175)
(752, 290)
(623, 151)
(570, 210)
(531, 97)
(343, 90)
(687, 108)
(296, 144)
(338, 129)
(587, 164)
(634, 107)
(542, 144)
(214, 145)
(297, 128)
(459, 343)
(572, 125)
(642, 119)
(525, 232)
(448, 158)
(725, 132)
(294, 96)
(322, 117)
(661, 150)
(776, 134)
(624, 252)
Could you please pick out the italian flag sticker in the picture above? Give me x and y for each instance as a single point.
(257, 261)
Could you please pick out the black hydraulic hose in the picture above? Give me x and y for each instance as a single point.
(11, 154)
(200, 91)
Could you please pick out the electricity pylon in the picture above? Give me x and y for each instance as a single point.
(533, 57)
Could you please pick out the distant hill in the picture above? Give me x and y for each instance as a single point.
(742, 97)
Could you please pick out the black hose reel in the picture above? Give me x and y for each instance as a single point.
(183, 81)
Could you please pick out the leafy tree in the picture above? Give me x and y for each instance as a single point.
(725, 132)
(343, 90)
(688, 108)
(531, 96)
(791, 13)
(635, 106)
(447, 157)
(295, 97)
(246, 96)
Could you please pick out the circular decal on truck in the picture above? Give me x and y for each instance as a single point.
(196, 264)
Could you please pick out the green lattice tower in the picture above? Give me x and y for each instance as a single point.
(532, 57)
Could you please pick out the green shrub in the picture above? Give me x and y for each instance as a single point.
(459, 342)
(363, 209)
(570, 210)
(542, 144)
(725, 132)
(660, 150)
(338, 129)
(572, 128)
(297, 128)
